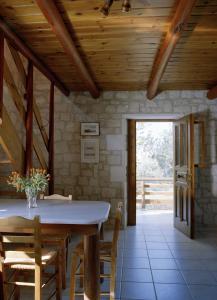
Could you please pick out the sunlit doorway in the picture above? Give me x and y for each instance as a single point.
(154, 168)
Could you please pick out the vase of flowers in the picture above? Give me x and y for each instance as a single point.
(36, 181)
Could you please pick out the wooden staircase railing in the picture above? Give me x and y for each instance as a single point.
(11, 142)
(18, 101)
(23, 75)
(22, 158)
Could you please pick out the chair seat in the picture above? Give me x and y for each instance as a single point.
(22, 260)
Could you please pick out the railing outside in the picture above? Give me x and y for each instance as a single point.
(155, 192)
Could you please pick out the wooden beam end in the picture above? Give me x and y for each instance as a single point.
(150, 95)
(95, 94)
(66, 92)
(212, 93)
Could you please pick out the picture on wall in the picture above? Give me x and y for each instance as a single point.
(90, 151)
(89, 128)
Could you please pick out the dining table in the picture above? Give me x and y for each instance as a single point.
(61, 216)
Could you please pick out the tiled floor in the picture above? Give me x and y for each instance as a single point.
(159, 262)
(155, 261)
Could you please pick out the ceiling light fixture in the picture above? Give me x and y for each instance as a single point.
(106, 7)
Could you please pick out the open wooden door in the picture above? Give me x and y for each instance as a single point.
(184, 175)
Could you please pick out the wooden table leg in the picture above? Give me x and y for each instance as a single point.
(91, 267)
(102, 264)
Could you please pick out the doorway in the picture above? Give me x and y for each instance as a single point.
(150, 167)
(154, 166)
(188, 154)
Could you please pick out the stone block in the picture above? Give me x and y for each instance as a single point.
(117, 174)
(115, 142)
(122, 95)
(122, 108)
(82, 181)
(114, 160)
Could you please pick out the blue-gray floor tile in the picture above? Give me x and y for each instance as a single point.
(138, 291)
(172, 292)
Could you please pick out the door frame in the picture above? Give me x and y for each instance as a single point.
(131, 164)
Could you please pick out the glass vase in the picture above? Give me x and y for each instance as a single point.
(31, 195)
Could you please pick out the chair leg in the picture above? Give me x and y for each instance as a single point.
(17, 289)
(67, 242)
(63, 259)
(73, 277)
(113, 276)
(38, 282)
(3, 288)
(58, 277)
(81, 271)
(17, 293)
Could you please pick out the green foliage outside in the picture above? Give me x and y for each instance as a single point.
(154, 149)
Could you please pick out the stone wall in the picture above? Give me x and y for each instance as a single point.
(107, 179)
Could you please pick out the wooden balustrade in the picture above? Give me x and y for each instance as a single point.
(22, 160)
(154, 190)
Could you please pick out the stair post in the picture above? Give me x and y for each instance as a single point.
(29, 119)
(1, 73)
(51, 140)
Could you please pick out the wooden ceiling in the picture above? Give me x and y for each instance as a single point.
(119, 50)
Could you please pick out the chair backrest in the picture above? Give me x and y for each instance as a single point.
(55, 197)
(117, 227)
(21, 235)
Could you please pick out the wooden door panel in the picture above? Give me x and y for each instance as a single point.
(183, 175)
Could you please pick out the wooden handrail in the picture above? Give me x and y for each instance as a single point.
(154, 179)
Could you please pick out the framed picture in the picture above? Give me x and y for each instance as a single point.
(90, 151)
(90, 128)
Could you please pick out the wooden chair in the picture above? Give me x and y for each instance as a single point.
(56, 197)
(20, 241)
(108, 254)
(60, 240)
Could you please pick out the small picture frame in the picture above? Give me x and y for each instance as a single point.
(90, 151)
(89, 128)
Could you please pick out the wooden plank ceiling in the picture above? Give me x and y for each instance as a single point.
(119, 50)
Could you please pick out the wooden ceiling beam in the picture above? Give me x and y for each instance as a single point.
(173, 35)
(19, 44)
(212, 93)
(58, 26)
